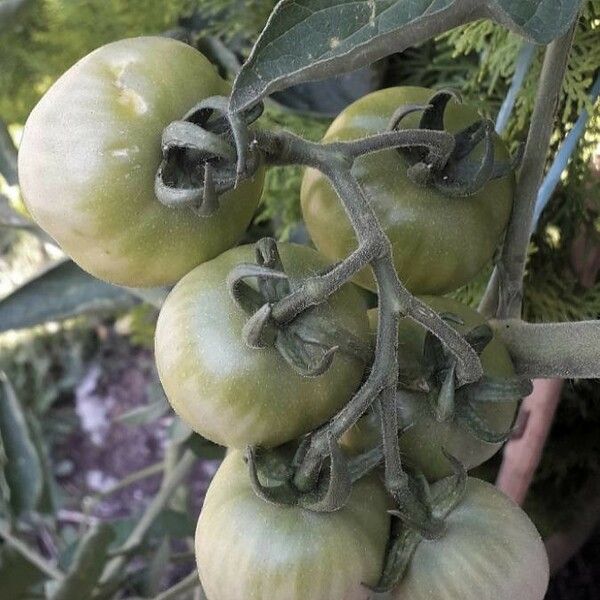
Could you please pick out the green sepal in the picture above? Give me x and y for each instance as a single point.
(442, 498)
(402, 546)
(443, 406)
(308, 342)
(334, 485)
(467, 416)
(205, 154)
(456, 173)
(272, 473)
(492, 389)
(448, 492)
(479, 337)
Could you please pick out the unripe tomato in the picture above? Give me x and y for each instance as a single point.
(236, 395)
(90, 151)
(490, 551)
(423, 443)
(439, 242)
(248, 549)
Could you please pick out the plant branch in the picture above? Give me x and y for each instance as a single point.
(31, 555)
(507, 282)
(159, 501)
(547, 350)
(335, 161)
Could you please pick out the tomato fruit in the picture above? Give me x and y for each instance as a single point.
(236, 395)
(439, 242)
(248, 549)
(423, 443)
(490, 551)
(90, 152)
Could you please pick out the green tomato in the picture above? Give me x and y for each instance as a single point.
(90, 151)
(439, 243)
(248, 549)
(490, 551)
(236, 395)
(423, 443)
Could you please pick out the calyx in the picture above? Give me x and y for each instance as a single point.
(205, 154)
(439, 500)
(462, 404)
(460, 174)
(308, 342)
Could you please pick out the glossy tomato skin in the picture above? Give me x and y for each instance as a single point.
(422, 444)
(90, 151)
(490, 551)
(236, 395)
(248, 549)
(439, 243)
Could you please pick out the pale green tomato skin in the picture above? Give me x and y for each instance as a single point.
(235, 395)
(90, 151)
(438, 243)
(490, 551)
(248, 549)
(423, 443)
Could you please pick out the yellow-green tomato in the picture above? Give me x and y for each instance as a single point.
(236, 395)
(248, 549)
(90, 152)
(424, 442)
(490, 551)
(439, 243)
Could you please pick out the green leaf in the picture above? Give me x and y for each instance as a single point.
(306, 40)
(142, 415)
(49, 502)
(87, 566)
(62, 291)
(17, 575)
(158, 567)
(539, 21)
(313, 39)
(22, 470)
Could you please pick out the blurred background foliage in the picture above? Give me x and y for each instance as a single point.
(91, 355)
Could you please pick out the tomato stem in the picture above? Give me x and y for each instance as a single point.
(504, 293)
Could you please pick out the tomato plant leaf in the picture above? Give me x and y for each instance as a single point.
(18, 576)
(312, 39)
(22, 470)
(63, 290)
(87, 566)
(305, 40)
(157, 567)
(539, 21)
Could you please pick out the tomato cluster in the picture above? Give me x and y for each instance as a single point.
(88, 162)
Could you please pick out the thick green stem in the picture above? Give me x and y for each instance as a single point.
(394, 299)
(547, 350)
(506, 286)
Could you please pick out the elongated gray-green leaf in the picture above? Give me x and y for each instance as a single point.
(313, 39)
(64, 290)
(22, 470)
(87, 566)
